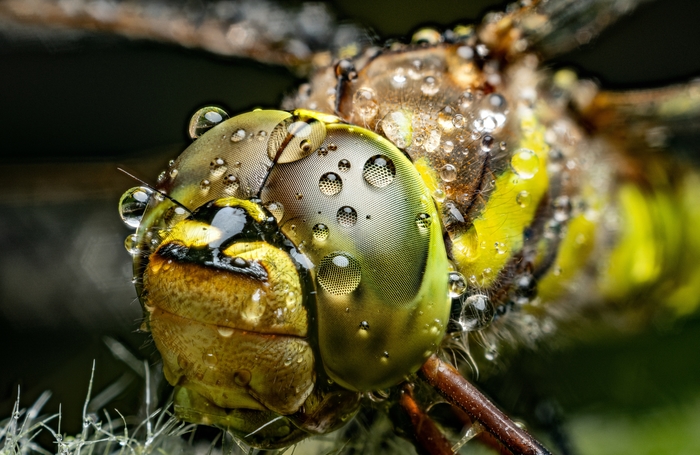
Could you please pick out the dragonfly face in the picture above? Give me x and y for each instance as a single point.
(363, 124)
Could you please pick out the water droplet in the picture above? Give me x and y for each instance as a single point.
(500, 248)
(364, 325)
(231, 184)
(448, 173)
(457, 284)
(132, 205)
(205, 119)
(448, 146)
(426, 36)
(339, 276)
(261, 136)
(487, 143)
(423, 221)
(365, 103)
(343, 165)
(432, 142)
(465, 52)
(242, 377)
(210, 360)
(330, 184)
(346, 216)
(217, 167)
(398, 79)
(224, 331)
(465, 100)
(379, 171)
(132, 244)
(490, 123)
(430, 86)
(482, 50)
(491, 354)
(562, 208)
(523, 198)
(276, 209)
(502, 145)
(320, 232)
(204, 185)
(439, 195)
(238, 135)
(477, 313)
(525, 163)
(445, 118)
(458, 121)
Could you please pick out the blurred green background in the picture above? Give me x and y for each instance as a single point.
(70, 110)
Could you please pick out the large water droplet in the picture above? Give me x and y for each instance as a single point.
(379, 171)
(330, 184)
(477, 313)
(346, 216)
(205, 119)
(365, 103)
(448, 173)
(525, 163)
(133, 204)
(320, 232)
(339, 273)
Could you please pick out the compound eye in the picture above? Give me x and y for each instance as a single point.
(295, 138)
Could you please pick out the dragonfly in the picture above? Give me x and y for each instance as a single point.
(359, 123)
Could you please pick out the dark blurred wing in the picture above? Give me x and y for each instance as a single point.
(551, 27)
(300, 36)
(665, 118)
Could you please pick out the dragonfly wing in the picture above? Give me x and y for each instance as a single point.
(298, 37)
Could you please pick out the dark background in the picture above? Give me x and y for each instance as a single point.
(70, 110)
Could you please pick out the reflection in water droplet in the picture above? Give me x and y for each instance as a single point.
(525, 163)
(423, 221)
(132, 205)
(379, 171)
(330, 184)
(276, 208)
(224, 331)
(238, 135)
(205, 119)
(343, 165)
(448, 173)
(231, 184)
(217, 167)
(346, 216)
(477, 313)
(339, 273)
(320, 231)
(457, 284)
(523, 199)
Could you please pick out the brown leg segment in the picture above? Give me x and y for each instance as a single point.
(427, 434)
(460, 392)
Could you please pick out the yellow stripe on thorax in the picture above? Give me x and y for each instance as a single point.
(484, 249)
